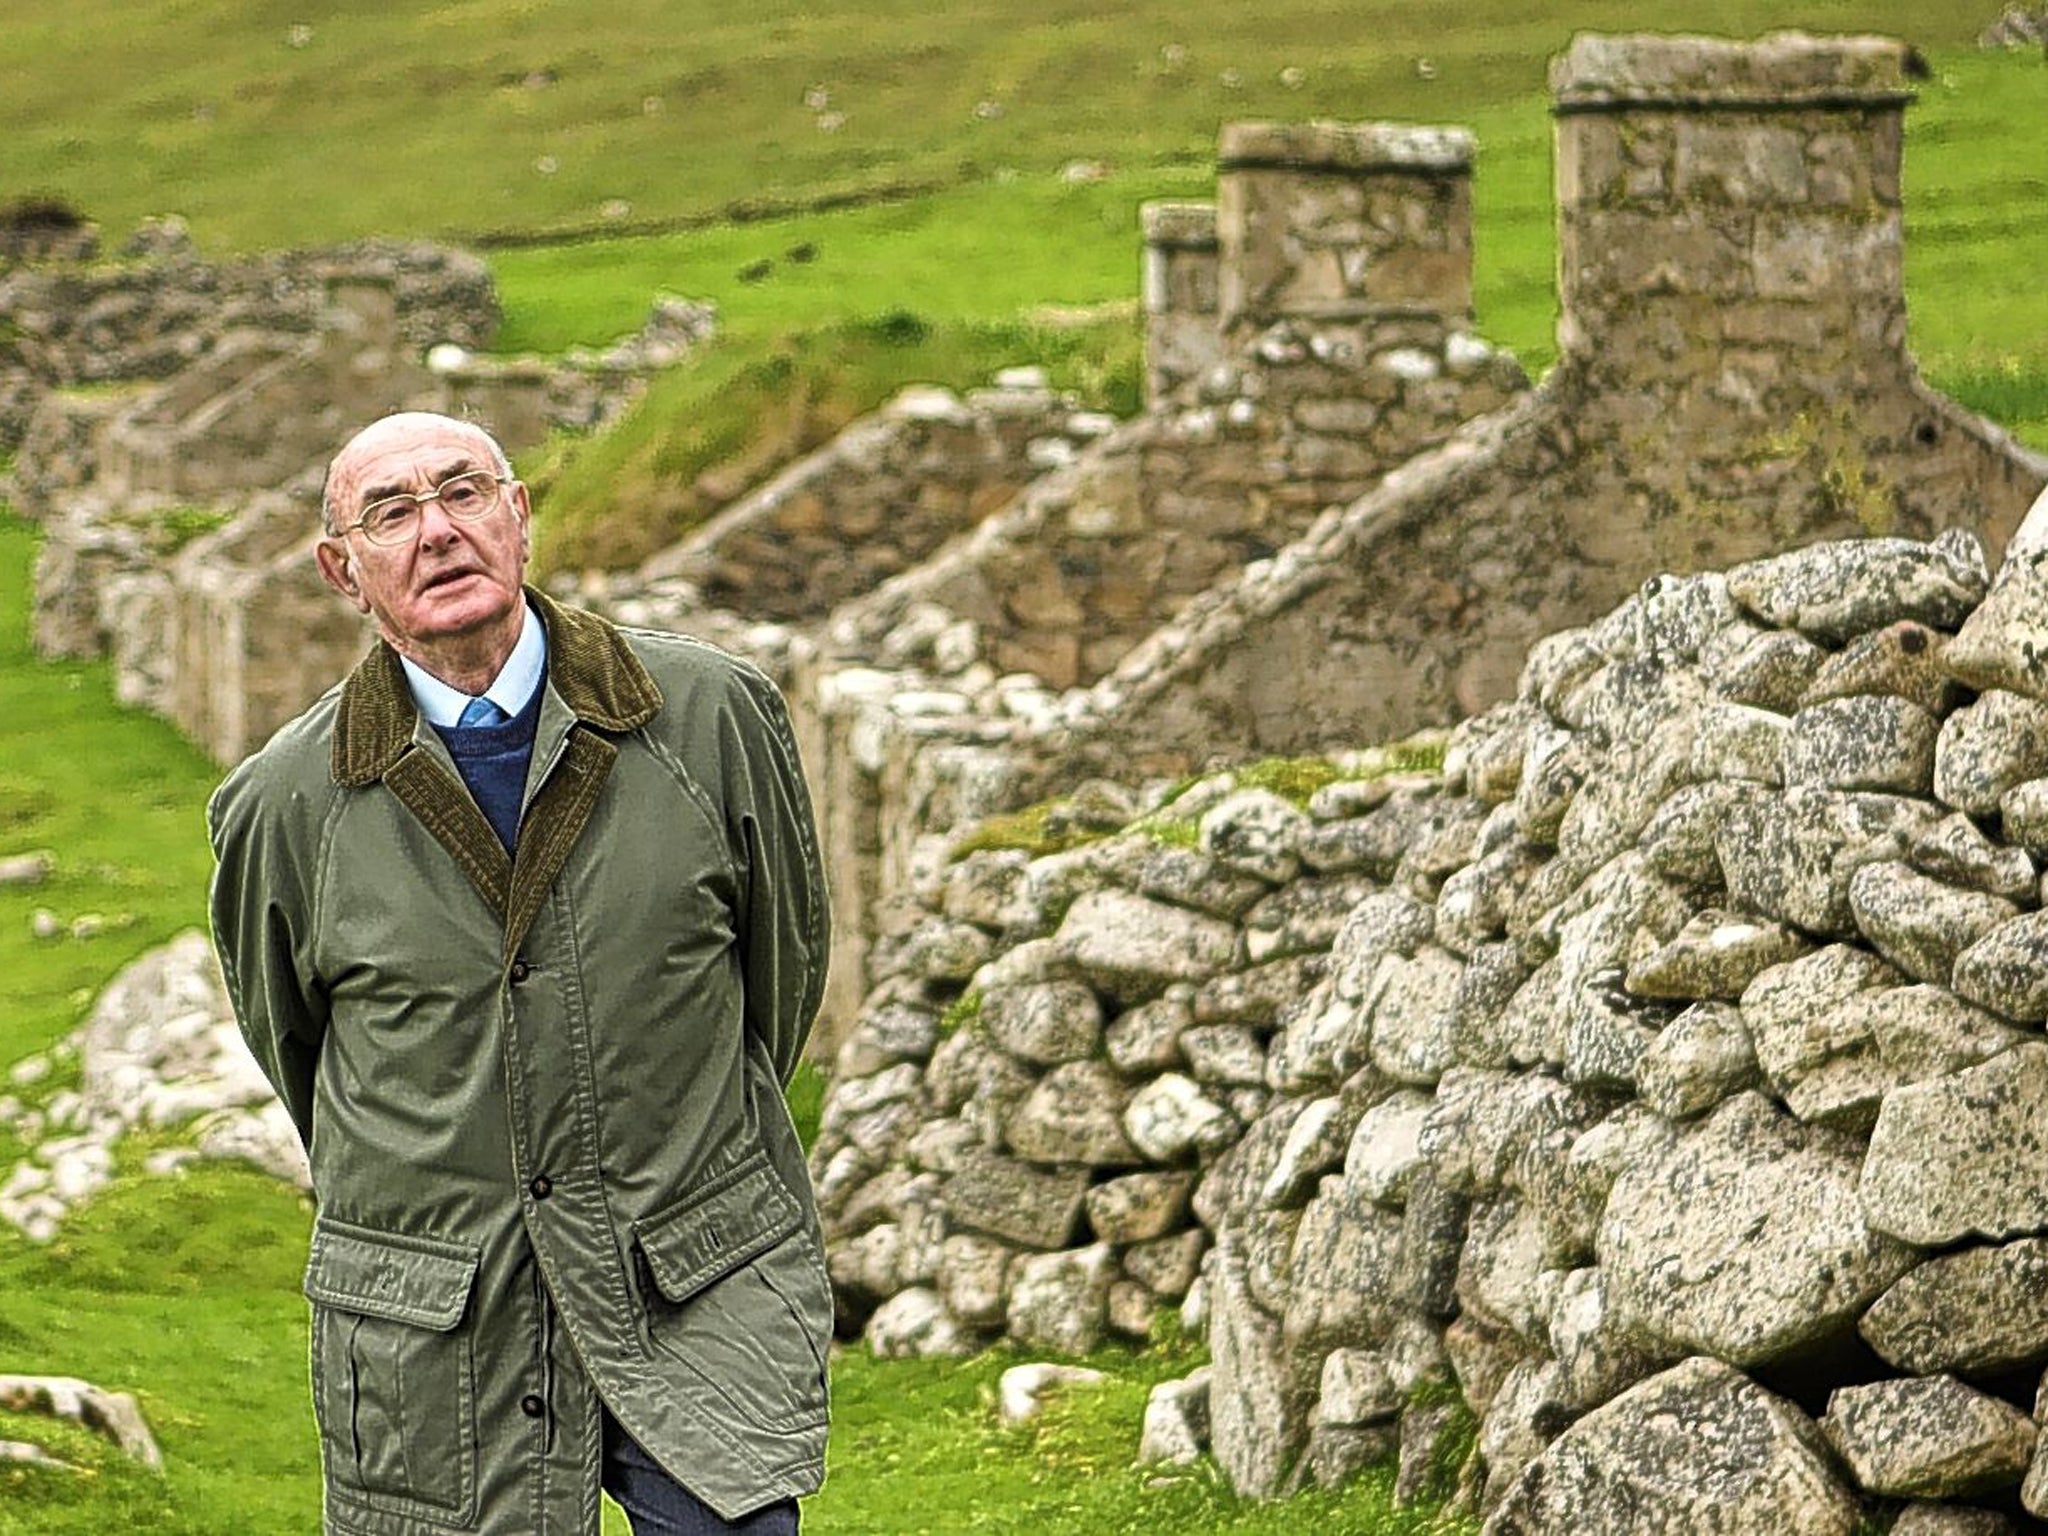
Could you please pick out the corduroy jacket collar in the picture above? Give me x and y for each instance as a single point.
(589, 664)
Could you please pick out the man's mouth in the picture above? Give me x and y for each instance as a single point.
(443, 578)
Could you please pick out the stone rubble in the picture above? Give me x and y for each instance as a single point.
(114, 1415)
(159, 1051)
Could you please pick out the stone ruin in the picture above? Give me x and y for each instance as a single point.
(172, 416)
(1641, 1082)
(1658, 1076)
(1346, 520)
(1341, 516)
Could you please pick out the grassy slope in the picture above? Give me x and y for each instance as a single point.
(414, 114)
(185, 1290)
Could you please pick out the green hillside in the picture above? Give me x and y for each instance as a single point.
(271, 124)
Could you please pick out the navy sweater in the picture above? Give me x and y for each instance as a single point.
(492, 760)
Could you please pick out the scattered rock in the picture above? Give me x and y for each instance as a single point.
(1021, 1391)
(1176, 1426)
(914, 1324)
(115, 1416)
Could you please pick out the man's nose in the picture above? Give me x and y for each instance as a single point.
(436, 526)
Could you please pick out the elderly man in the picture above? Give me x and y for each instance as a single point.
(525, 923)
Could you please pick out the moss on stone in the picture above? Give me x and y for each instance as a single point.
(964, 1012)
(1291, 778)
(1035, 830)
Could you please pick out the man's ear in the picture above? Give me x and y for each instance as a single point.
(337, 569)
(522, 505)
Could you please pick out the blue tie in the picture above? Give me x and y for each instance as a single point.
(481, 712)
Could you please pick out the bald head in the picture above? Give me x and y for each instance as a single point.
(339, 498)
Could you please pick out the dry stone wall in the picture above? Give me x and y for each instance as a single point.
(1344, 347)
(1671, 1056)
(1733, 380)
(231, 634)
(149, 315)
(878, 500)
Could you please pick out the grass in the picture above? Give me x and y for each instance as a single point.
(432, 118)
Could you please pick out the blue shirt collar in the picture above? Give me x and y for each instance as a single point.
(510, 689)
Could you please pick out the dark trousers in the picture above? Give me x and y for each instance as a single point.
(658, 1505)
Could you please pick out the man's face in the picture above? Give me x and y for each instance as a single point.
(447, 579)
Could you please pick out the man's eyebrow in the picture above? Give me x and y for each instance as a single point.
(460, 464)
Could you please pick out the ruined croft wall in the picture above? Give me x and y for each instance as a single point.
(1098, 554)
(1679, 1037)
(1415, 604)
(879, 499)
(147, 318)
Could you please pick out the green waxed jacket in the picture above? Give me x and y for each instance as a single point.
(542, 1095)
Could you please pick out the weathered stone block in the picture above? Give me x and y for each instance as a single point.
(1928, 1438)
(1744, 1238)
(1046, 1023)
(1032, 1207)
(1696, 1448)
(1980, 1310)
(1918, 923)
(1059, 1301)
(1074, 1114)
(1963, 1154)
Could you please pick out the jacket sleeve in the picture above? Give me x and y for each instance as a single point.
(784, 919)
(262, 929)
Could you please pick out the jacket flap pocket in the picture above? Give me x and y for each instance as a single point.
(714, 1229)
(416, 1280)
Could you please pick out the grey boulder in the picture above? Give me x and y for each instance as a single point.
(1696, 1448)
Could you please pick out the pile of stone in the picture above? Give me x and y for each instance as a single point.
(2018, 26)
(159, 1050)
(1662, 1077)
(1020, 1116)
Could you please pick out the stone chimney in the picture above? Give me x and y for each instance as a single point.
(1181, 338)
(1342, 222)
(1729, 200)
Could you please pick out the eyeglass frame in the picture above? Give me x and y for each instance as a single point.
(419, 500)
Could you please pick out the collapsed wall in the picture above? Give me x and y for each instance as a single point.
(69, 320)
(1733, 378)
(879, 499)
(1342, 330)
(178, 511)
(1669, 1056)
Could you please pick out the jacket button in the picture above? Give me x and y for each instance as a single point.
(520, 971)
(532, 1406)
(542, 1186)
